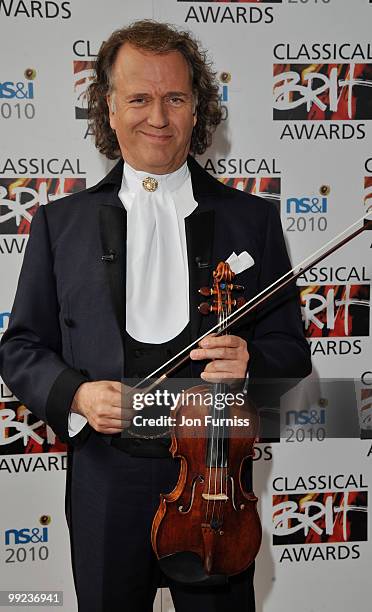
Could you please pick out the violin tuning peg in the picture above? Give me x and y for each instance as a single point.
(205, 308)
(206, 291)
(240, 301)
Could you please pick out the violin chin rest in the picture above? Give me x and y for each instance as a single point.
(187, 567)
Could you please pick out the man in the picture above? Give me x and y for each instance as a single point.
(109, 288)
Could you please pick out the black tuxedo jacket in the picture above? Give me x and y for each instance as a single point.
(68, 319)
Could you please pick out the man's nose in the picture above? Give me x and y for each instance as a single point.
(158, 116)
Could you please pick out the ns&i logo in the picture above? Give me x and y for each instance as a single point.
(306, 417)
(308, 213)
(33, 535)
(29, 535)
(13, 93)
(305, 424)
(4, 319)
(306, 205)
(20, 90)
(224, 80)
(28, 543)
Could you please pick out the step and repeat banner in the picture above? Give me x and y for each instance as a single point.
(295, 85)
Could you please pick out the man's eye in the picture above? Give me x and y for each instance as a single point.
(176, 100)
(137, 101)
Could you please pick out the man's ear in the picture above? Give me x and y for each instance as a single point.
(110, 99)
(195, 112)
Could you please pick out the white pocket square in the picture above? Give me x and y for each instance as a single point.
(239, 263)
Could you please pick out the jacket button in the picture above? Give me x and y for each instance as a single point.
(69, 322)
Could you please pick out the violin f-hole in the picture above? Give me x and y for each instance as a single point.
(196, 479)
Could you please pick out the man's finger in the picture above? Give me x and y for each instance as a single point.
(214, 353)
(217, 376)
(228, 341)
(223, 365)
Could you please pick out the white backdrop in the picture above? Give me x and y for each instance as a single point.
(303, 139)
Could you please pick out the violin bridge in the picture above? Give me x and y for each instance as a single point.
(215, 497)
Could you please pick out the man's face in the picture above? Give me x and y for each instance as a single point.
(151, 108)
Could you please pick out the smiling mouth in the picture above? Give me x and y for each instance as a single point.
(157, 137)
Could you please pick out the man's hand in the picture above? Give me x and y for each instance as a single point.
(229, 355)
(105, 404)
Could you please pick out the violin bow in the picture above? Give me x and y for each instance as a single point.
(261, 297)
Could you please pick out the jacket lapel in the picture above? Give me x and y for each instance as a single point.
(113, 231)
(113, 236)
(200, 231)
(199, 238)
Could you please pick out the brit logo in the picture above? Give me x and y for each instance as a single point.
(365, 413)
(267, 187)
(322, 92)
(83, 76)
(312, 518)
(21, 197)
(22, 433)
(368, 198)
(336, 310)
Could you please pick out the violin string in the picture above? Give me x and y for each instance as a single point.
(224, 459)
(228, 445)
(222, 412)
(225, 449)
(223, 432)
(214, 415)
(211, 430)
(210, 457)
(217, 432)
(222, 392)
(223, 416)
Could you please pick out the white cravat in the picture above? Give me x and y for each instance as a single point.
(157, 275)
(157, 278)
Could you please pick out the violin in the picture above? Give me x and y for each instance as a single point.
(208, 527)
